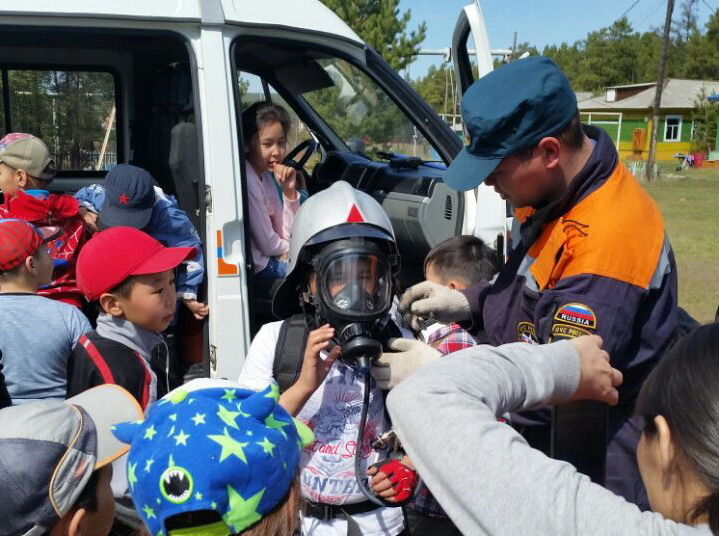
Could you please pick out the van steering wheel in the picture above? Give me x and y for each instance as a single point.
(309, 147)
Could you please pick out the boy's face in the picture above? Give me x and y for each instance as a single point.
(9, 179)
(91, 522)
(431, 275)
(99, 522)
(338, 278)
(268, 147)
(43, 265)
(152, 301)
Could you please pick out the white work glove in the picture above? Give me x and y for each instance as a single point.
(426, 302)
(407, 356)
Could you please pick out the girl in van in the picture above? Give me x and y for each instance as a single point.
(264, 128)
(488, 468)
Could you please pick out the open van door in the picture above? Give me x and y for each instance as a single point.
(490, 222)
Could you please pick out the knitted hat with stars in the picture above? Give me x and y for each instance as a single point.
(225, 449)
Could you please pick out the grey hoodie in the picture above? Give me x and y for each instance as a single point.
(483, 473)
(140, 340)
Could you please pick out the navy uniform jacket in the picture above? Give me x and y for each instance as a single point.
(596, 261)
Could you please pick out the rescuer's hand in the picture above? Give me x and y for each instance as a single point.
(599, 380)
(429, 301)
(407, 355)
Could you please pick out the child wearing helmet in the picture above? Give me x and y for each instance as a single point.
(336, 300)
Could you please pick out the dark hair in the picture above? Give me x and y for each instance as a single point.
(261, 113)
(14, 272)
(571, 135)
(124, 288)
(683, 389)
(464, 257)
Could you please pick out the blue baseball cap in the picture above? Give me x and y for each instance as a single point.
(210, 445)
(507, 111)
(129, 197)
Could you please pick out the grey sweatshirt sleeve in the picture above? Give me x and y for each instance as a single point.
(485, 476)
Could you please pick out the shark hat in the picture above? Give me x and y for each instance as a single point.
(212, 446)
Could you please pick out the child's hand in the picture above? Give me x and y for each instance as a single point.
(393, 480)
(287, 179)
(90, 219)
(199, 310)
(314, 368)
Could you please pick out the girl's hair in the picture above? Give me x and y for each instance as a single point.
(261, 113)
(280, 521)
(683, 388)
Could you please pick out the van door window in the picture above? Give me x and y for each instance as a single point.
(74, 112)
(2, 108)
(363, 115)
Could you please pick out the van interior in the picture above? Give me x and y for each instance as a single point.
(101, 97)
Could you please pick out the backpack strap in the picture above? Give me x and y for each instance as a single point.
(290, 351)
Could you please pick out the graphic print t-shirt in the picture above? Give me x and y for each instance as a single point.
(327, 466)
(333, 414)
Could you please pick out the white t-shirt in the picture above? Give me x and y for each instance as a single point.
(333, 413)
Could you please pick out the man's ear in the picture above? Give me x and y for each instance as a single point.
(665, 449)
(111, 304)
(549, 150)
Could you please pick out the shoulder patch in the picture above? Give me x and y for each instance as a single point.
(577, 314)
(565, 331)
(526, 332)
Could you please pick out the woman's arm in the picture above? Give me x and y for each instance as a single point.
(483, 473)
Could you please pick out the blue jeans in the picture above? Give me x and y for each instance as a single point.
(275, 269)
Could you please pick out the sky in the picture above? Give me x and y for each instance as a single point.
(539, 22)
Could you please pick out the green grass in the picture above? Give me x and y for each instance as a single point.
(689, 201)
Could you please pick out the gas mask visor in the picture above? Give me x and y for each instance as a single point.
(354, 281)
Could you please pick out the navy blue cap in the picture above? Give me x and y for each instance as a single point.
(129, 197)
(507, 111)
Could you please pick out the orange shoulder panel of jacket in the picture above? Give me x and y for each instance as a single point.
(616, 231)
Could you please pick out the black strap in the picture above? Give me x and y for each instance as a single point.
(289, 351)
(325, 512)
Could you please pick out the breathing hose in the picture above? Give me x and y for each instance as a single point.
(361, 479)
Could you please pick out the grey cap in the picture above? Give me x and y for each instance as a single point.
(24, 151)
(49, 451)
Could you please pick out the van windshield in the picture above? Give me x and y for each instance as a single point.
(363, 115)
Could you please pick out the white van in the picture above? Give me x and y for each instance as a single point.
(162, 83)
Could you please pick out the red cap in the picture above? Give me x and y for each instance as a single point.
(113, 255)
(20, 239)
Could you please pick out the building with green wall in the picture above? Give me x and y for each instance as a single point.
(625, 113)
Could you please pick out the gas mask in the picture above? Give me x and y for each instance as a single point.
(353, 293)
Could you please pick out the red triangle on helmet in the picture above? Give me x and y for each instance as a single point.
(355, 216)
